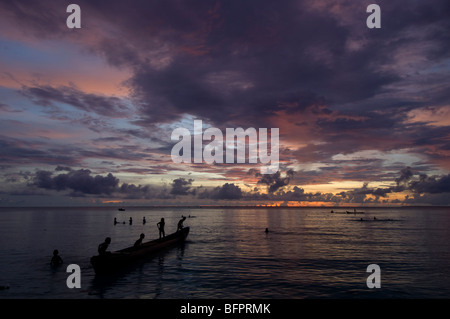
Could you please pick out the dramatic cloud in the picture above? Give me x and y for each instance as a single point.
(132, 191)
(226, 191)
(181, 186)
(79, 181)
(431, 184)
(274, 181)
(82, 182)
(405, 176)
(419, 187)
(359, 195)
(353, 105)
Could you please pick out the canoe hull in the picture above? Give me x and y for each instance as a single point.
(117, 260)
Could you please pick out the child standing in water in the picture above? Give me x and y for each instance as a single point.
(161, 228)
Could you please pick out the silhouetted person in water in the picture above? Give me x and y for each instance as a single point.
(180, 223)
(267, 230)
(56, 259)
(115, 220)
(103, 246)
(144, 221)
(139, 241)
(131, 220)
(161, 225)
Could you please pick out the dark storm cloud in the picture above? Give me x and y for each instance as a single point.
(132, 191)
(274, 181)
(208, 58)
(235, 61)
(296, 194)
(79, 181)
(419, 183)
(82, 182)
(359, 195)
(252, 69)
(405, 176)
(181, 186)
(431, 184)
(241, 66)
(227, 191)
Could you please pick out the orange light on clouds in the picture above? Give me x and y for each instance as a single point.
(112, 201)
(105, 81)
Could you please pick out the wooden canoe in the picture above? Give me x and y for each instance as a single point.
(111, 262)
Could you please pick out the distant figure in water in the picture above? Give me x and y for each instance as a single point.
(103, 246)
(139, 241)
(56, 259)
(160, 226)
(144, 221)
(115, 220)
(131, 220)
(267, 230)
(180, 223)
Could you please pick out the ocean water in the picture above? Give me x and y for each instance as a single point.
(307, 253)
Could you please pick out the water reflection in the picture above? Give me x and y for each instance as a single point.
(142, 279)
(307, 253)
(160, 272)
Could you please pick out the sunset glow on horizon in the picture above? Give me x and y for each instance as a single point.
(87, 114)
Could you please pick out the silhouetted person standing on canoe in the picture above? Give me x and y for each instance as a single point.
(56, 259)
(103, 246)
(139, 241)
(160, 226)
(180, 223)
(144, 221)
(131, 220)
(115, 220)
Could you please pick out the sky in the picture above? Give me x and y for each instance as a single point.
(87, 113)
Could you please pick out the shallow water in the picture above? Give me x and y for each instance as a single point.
(308, 253)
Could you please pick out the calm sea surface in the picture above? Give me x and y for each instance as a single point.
(308, 253)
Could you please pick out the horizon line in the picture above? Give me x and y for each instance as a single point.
(225, 206)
